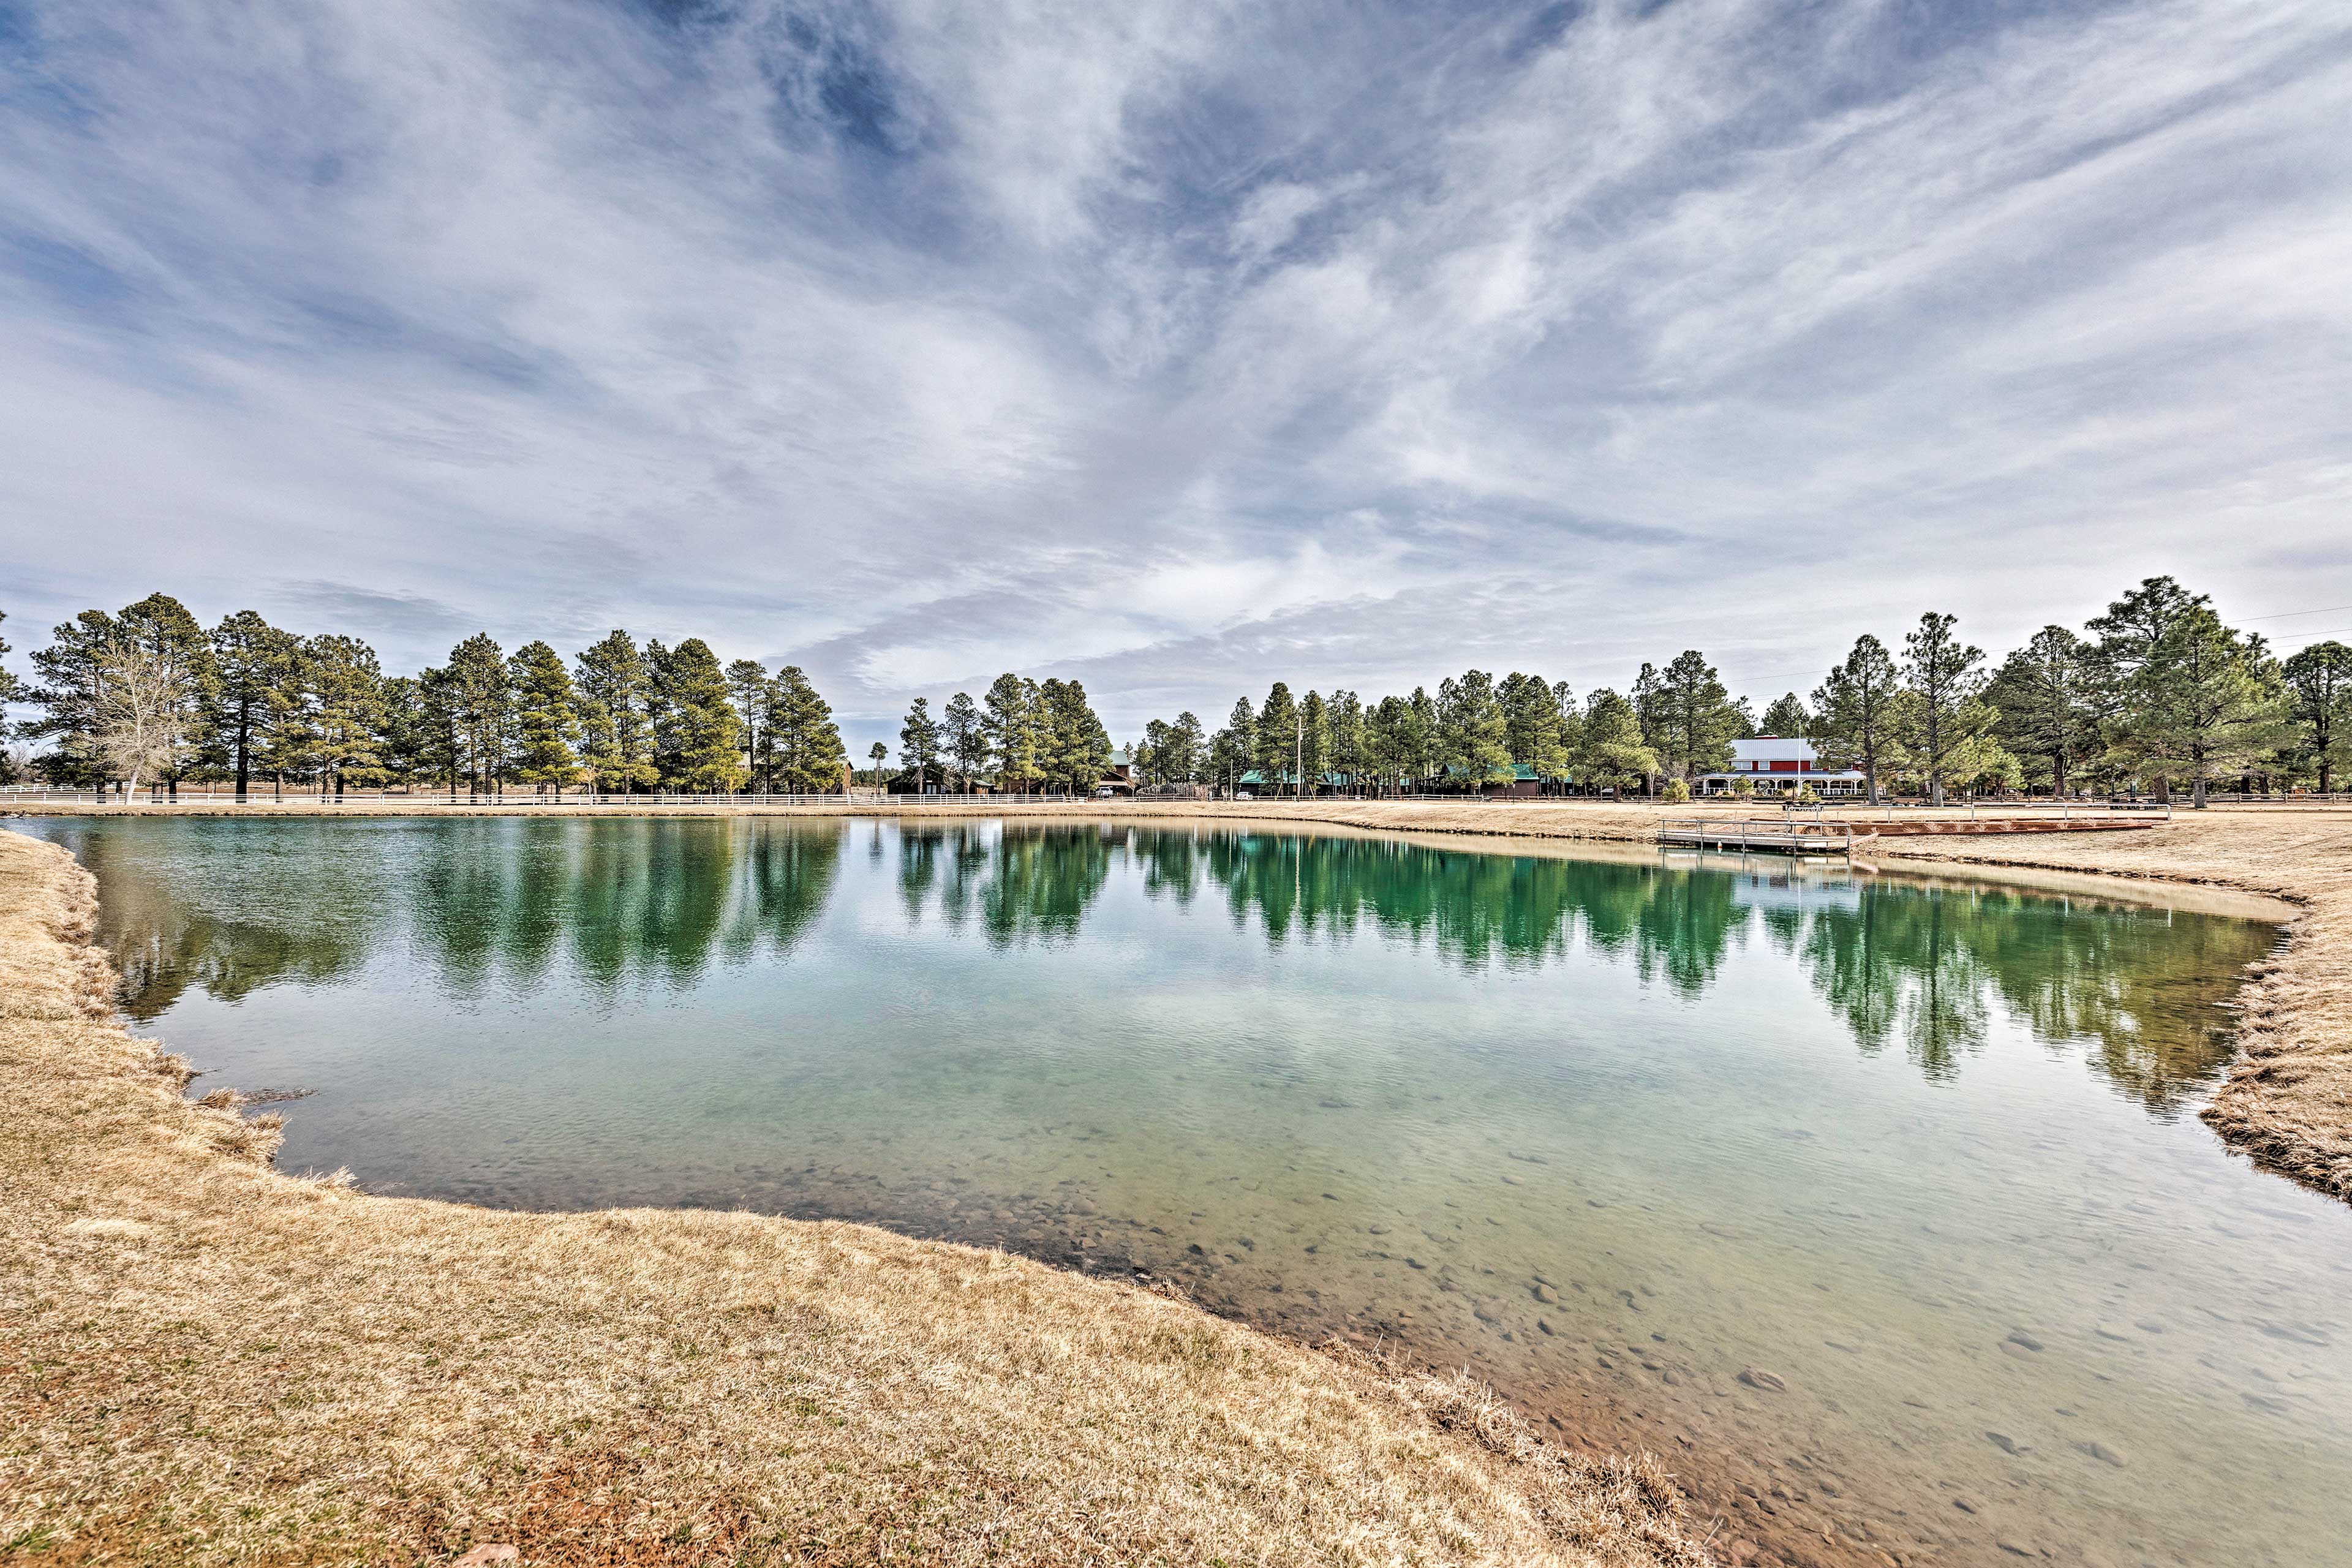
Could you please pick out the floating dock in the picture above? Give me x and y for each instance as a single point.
(1782, 836)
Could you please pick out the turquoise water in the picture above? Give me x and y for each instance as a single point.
(1885, 1202)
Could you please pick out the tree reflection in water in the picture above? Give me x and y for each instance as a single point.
(230, 906)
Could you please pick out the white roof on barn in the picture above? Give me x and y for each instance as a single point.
(1771, 749)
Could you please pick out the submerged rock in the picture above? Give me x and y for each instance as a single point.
(1756, 1377)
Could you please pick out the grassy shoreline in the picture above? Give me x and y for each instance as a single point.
(209, 1361)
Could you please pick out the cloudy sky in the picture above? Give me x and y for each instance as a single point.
(1176, 346)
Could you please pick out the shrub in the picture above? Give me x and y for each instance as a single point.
(1676, 792)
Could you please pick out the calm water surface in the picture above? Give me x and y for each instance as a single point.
(1880, 1209)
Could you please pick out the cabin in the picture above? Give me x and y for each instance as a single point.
(1775, 765)
(1286, 783)
(937, 781)
(1523, 783)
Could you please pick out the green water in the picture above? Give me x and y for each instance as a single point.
(1611, 1132)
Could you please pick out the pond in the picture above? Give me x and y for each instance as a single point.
(1878, 1207)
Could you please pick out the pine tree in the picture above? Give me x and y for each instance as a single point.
(11, 688)
(545, 717)
(1572, 720)
(964, 737)
(1853, 712)
(289, 744)
(613, 691)
(71, 687)
(2187, 692)
(753, 696)
(1314, 754)
(441, 746)
(1532, 728)
(2319, 699)
(1647, 695)
(808, 742)
(479, 697)
(1232, 749)
(2044, 695)
(1613, 750)
(2223, 697)
(1077, 747)
(1944, 718)
(345, 711)
(919, 742)
(2133, 636)
(251, 660)
(1787, 717)
(1472, 729)
(696, 733)
(404, 739)
(1388, 753)
(1276, 749)
(1696, 719)
(124, 695)
(1010, 724)
(1344, 729)
(1420, 733)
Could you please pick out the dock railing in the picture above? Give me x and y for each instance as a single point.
(1789, 835)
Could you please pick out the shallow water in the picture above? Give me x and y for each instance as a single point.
(1880, 1209)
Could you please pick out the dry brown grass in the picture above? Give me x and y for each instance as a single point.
(204, 1360)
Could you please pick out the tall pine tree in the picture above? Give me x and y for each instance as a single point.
(696, 733)
(546, 719)
(612, 692)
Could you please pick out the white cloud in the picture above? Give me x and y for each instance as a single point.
(1160, 341)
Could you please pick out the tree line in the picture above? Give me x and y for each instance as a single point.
(149, 696)
(2155, 694)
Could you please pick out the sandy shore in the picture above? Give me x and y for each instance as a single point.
(207, 1361)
